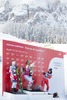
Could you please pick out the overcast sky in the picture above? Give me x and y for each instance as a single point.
(26, 1)
(16, 2)
(29, 1)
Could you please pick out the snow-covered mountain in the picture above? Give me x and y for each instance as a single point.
(5, 8)
(25, 10)
(41, 17)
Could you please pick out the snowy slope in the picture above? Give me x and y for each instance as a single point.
(59, 47)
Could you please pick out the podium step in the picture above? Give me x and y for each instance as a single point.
(30, 96)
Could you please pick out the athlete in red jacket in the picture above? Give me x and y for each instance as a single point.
(45, 81)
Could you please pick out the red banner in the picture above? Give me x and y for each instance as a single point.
(20, 53)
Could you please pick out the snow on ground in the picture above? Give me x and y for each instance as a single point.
(59, 47)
